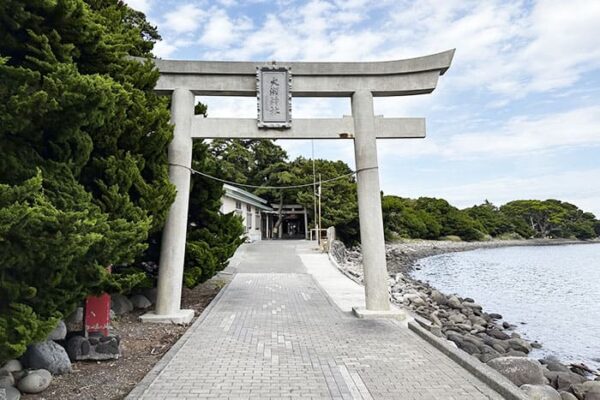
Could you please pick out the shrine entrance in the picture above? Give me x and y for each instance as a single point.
(274, 85)
(294, 222)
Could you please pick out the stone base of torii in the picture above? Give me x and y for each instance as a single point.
(360, 81)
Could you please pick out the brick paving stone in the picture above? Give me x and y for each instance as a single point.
(275, 334)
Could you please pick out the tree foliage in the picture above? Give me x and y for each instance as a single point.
(427, 218)
(265, 163)
(83, 171)
(550, 219)
(212, 236)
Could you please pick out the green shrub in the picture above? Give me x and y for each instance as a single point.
(451, 238)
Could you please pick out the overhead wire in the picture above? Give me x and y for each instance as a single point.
(269, 187)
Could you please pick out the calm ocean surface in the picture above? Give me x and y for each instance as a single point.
(554, 290)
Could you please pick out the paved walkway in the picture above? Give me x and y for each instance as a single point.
(274, 333)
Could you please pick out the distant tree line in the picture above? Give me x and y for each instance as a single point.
(264, 162)
(429, 218)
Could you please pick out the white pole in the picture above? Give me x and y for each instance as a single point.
(369, 203)
(172, 251)
(319, 231)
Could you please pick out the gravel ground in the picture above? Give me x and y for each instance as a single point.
(143, 345)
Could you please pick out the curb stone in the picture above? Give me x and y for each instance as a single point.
(484, 373)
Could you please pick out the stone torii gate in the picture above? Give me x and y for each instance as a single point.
(360, 81)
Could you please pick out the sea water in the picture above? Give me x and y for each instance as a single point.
(552, 293)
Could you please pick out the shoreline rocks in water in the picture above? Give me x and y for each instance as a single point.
(463, 322)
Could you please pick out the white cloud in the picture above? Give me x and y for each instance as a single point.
(185, 18)
(220, 31)
(227, 3)
(504, 47)
(518, 136)
(140, 5)
(508, 48)
(164, 49)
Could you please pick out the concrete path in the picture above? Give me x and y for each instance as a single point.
(281, 330)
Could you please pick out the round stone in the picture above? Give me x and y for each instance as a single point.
(11, 393)
(12, 366)
(35, 381)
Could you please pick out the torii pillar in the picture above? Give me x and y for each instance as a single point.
(359, 81)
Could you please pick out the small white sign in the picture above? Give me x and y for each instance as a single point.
(274, 96)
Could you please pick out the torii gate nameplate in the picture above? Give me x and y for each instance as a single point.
(359, 81)
(274, 96)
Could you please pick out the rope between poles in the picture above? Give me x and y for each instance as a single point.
(193, 171)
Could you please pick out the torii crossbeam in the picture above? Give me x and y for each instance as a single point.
(360, 81)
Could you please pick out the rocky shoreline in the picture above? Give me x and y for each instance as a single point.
(465, 324)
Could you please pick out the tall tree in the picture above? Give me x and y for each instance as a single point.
(83, 172)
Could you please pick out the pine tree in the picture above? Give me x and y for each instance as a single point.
(83, 171)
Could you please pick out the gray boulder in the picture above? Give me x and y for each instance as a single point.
(6, 378)
(12, 366)
(10, 393)
(592, 390)
(78, 347)
(19, 374)
(556, 366)
(417, 301)
(498, 334)
(578, 390)
(47, 355)
(541, 392)
(455, 337)
(474, 340)
(519, 345)
(74, 321)
(454, 302)
(564, 380)
(515, 353)
(140, 301)
(519, 370)
(591, 385)
(457, 318)
(473, 306)
(95, 347)
(475, 320)
(151, 294)
(468, 347)
(120, 304)
(438, 297)
(592, 395)
(485, 357)
(567, 396)
(35, 381)
(59, 333)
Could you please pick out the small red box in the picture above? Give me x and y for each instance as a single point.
(97, 314)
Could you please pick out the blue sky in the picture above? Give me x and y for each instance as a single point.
(517, 116)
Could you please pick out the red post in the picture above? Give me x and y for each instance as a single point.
(97, 314)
